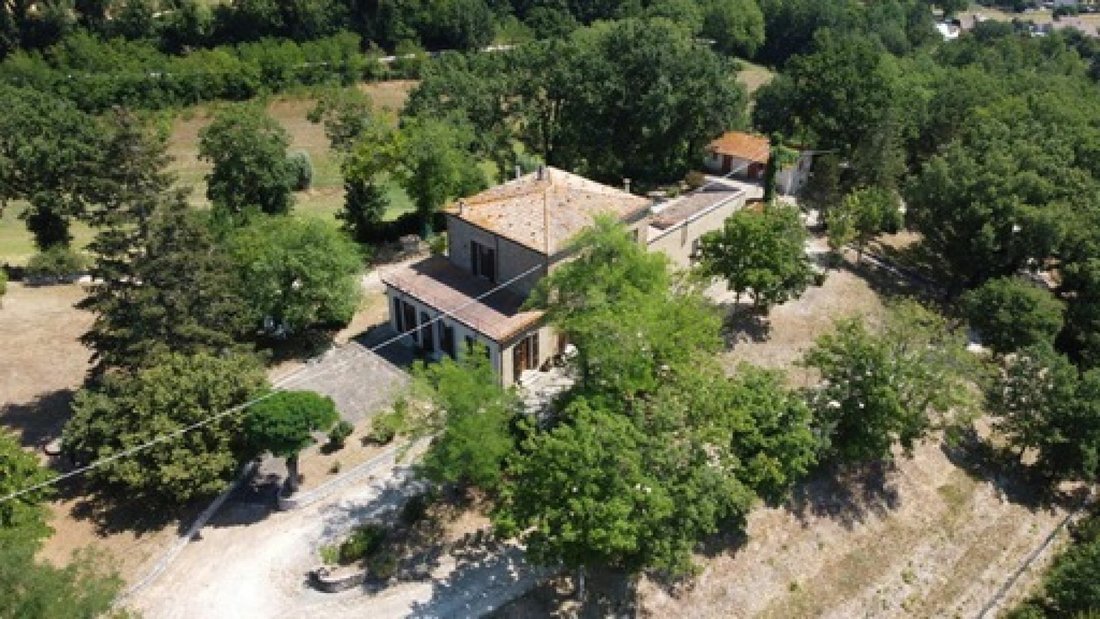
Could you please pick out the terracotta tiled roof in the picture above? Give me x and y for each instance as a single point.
(544, 213)
(741, 145)
(438, 283)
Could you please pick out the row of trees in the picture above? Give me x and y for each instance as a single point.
(655, 448)
(178, 26)
(96, 74)
(1012, 187)
(601, 105)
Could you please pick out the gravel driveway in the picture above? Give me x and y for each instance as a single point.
(251, 562)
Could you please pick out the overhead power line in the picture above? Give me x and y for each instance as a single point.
(280, 385)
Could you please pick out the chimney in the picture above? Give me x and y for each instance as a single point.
(626, 185)
(519, 170)
(461, 207)
(542, 172)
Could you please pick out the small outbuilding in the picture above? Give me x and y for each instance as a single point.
(745, 155)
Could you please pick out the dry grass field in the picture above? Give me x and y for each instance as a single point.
(42, 367)
(326, 196)
(753, 76)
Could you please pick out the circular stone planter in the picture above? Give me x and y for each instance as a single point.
(334, 579)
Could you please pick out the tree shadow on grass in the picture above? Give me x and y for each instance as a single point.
(41, 420)
(113, 512)
(847, 495)
(741, 323)
(1014, 481)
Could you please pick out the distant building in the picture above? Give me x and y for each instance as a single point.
(949, 30)
(745, 155)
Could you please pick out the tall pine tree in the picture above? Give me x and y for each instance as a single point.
(164, 285)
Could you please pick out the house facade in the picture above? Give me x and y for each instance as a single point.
(501, 242)
(745, 155)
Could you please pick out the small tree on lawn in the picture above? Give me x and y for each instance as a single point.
(284, 424)
(861, 216)
(886, 388)
(763, 252)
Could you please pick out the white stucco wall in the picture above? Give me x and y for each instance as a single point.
(677, 242)
(512, 258)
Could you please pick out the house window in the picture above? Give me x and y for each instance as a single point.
(427, 341)
(470, 342)
(483, 261)
(397, 315)
(525, 355)
(447, 339)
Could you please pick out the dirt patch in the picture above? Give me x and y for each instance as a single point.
(43, 365)
(44, 362)
(935, 542)
(753, 76)
(318, 464)
(780, 339)
(389, 96)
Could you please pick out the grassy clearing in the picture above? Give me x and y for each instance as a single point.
(326, 196)
(323, 200)
(753, 76)
(17, 245)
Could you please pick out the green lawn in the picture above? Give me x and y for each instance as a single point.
(17, 245)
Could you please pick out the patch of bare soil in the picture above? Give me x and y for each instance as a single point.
(319, 464)
(42, 366)
(43, 362)
(779, 339)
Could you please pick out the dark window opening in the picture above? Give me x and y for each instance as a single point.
(525, 355)
(447, 339)
(483, 261)
(427, 342)
(408, 317)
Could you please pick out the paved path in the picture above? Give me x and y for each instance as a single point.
(360, 381)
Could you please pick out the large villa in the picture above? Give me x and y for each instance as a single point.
(502, 241)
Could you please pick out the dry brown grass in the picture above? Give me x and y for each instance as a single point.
(753, 76)
(390, 96)
(42, 366)
(326, 196)
(933, 542)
